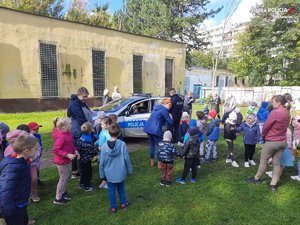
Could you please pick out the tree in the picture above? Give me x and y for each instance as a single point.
(174, 20)
(100, 16)
(78, 12)
(52, 8)
(268, 51)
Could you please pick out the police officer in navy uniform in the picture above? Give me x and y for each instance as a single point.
(176, 111)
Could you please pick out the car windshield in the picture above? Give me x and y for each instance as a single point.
(115, 105)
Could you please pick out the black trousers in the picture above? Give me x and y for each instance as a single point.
(19, 218)
(249, 152)
(174, 128)
(86, 173)
(190, 164)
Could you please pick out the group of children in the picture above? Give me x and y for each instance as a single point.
(113, 158)
(22, 151)
(207, 126)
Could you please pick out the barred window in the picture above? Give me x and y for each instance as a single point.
(49, 77)
(217, 81)
(168, 75)
(137, 74)
(98, 72)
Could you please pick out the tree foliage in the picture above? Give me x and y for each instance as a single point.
(78, 11)
(174, 20)
(98, 16)
(52, 8)
(268, 51)
(206, 59)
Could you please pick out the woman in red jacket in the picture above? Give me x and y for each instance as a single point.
(63, 152)
(274, 135)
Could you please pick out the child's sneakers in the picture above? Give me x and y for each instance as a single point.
(112, 210)
(60, 201)
(228, 161)
(246, 164)
(34, 197)
(125, 205)
(66, 196)
(193, 180)
(104, 186)
(75, 176)
(168, 183)
(88, 189)
(162, 183)
(296, 178)
(180, 181)
(252, 163)
(234, 164)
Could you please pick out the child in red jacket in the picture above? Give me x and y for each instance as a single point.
(63, 152)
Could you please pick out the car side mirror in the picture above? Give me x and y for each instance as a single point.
(127, 113)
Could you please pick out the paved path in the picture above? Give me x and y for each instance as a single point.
(133, 144)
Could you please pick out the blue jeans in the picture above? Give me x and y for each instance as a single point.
(112, 193)
(153, 141)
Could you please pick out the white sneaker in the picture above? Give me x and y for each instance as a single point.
(252, 163)
(104, 186)
(228, 161)
(246, 164)
(295, 178)
(269, 173)
(234, 164)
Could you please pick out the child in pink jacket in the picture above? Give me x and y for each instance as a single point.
(63, 152)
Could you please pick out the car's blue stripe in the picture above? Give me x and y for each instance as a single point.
(133, 124)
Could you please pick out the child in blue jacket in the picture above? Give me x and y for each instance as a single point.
(114, 165)
(262, 114)
(251, 137)
(212, 134)
(15, 181)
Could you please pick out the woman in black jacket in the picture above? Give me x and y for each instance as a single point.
(79, 112)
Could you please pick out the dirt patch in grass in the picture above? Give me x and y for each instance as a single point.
(133, 145)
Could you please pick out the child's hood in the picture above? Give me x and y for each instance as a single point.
(57, 132)
(12, 135)
(115, 150)
(194, 139)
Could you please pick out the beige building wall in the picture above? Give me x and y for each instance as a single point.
(20, 69)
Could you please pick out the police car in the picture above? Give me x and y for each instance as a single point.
(132, 112)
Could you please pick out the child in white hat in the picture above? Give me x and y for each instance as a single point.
(166, 152)
(230, 136)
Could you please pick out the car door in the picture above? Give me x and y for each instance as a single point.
(136, 118)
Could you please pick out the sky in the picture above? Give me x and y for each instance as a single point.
(241, 14)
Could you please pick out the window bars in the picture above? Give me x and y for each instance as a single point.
(137, 74)
(168, 75)
(98, 72)
(49, 78)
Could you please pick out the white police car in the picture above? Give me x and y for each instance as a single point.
(132, 112)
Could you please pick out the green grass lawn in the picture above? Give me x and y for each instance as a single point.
(43, 118)
(220, 196)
